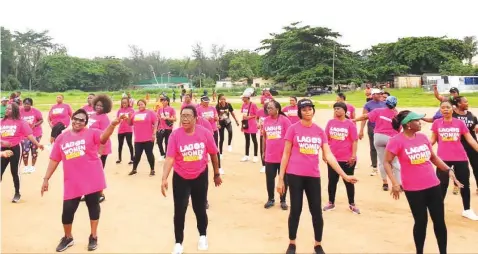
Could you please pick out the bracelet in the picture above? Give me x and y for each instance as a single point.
(217, 175)
(44, 178)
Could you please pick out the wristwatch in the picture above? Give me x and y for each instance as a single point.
(217, 175)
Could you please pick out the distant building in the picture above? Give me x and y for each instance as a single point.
(260, 82)
(228, 83)
(408, 81)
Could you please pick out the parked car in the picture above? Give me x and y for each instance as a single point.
(317, 90)
(273, 91)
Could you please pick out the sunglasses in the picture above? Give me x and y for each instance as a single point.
(81, 120)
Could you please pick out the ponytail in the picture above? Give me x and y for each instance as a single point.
(397, 120)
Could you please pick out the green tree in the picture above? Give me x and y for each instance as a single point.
(471, 44)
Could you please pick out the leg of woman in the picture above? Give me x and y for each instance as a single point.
(261, 145)
(462, 172)
(148, 149)
(26, 145)
(314, 197)
(229, 134)
(283, 197)
(373, 151)
(138, 152)
(296, 190)
(181, 192)
(216, 140)
(418, 205)
(160, 138)
(4, 162)
(436, 207)
(221, 138)
(69, 209)
(254, 141)
(101, 197)
(129, 141)
(167, 133)
(349, 170)
(198, 199)
(94, 210)
(332, 188)
(14, 163)
(121, 138)
(444, 178)
(271, 173)
(35, 152)
(248, 142)
(473, 158)
(380, 142)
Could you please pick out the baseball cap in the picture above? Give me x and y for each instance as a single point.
(375, 91)
(205, 98)
(391, 101)
(305, 103)
(246, 95)
(165, 98)
(4, 99)
(454, 90)
(411, 117)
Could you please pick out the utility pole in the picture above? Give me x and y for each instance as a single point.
(154, 74)
(333, 69)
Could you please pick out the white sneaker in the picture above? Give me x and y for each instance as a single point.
(202, 243)
(263, 169)
(178, 249)
(32, 169)
(161, 159)
(255, 159)
(374, 172)
(245, 158)
(229, 148)
(222, 156)
(469, 214)
(26, 170)
(221, 171)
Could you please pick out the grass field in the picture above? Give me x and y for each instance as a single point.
(406, 98)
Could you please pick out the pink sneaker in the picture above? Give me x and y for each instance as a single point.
(329, 207)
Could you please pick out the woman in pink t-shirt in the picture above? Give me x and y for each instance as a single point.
(418, 178)
(145, 124)
(274, 129)
(89, 108)
(249, 125)
(300, 161)
(383, 131)
(187, 101)
(13, 130)
(188, 150)
(34, 119)
(59, 117)
(291, 110)
(77, 149)
(166, 117)
(125, 131)
(350, 108)
(261, 116)
(448, 131)
(99, 120)
(342, 138)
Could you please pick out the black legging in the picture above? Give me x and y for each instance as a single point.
(129, 141)
(248, 142)
(163, 136)
(311, 186)
(103, 160)
(261, 144)
(70, 206)
(462, 173)
(147, 147)
(373, 151)
(221, 136)
(14, 162)
(420, 201)
(216, 138)
(473, 158)
(272, 170)
(182, 189)
(334, 179)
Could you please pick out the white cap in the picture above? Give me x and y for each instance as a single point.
(246, 94)
(375, 90)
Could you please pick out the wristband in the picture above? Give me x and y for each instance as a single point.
(217, 175)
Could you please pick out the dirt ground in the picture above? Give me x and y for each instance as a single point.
(136, 218)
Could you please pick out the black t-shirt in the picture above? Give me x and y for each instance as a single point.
(224, 111)
(470, 121)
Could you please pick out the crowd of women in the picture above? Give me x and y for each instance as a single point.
(289, 145)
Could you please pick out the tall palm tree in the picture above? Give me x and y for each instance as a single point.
(472, 47)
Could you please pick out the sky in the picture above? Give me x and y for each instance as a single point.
(91, 28)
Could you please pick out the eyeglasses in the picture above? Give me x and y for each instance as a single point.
(81, 120)
(187, 116)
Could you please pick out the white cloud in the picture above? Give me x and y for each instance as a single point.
(99, 28)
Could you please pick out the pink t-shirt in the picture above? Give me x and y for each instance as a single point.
(291, 112)
(101, 122)
(261, 115)
(275, 130)
(350, 110)
(124, 126)
(190, 152)
(32, 116)
(82, 169)
(414, 157)
(448, 137)
(306, 144)
(252, 112)
(14, 131)
(204, 123)
(341, 135)
(143, 124)
(166, 112)
(208, 114)
(187, 104)
(89, 110)
(266, 98)
(60, 113)
(382, 117)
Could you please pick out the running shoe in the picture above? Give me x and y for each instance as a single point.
(152, 173)
(284, 206)
(102, 198)
(133, 172)
(118, 161)
(202, 243)
(255, 159)
(229, 148)
(269, 204)
(291, 249)
(245, 158)
(329, 207)
(16, 198)
(64, 244)
(318, 249)
(469, 214)
(374, 172)
(263, 169)
(130, 162)
(32, 169)
(178, 249)
(354, 209)
(92, 243)
(385, 187)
